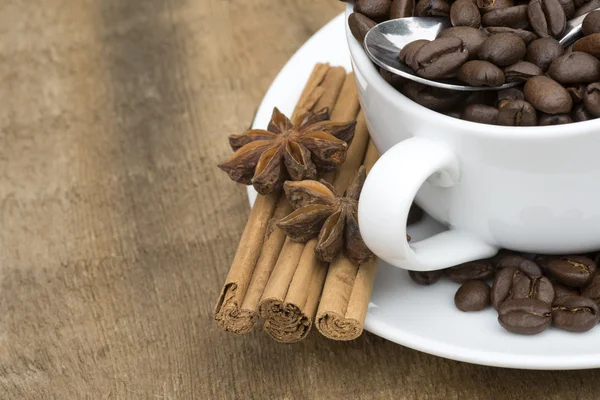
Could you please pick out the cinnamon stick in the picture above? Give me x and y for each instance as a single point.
(347, 291)
(236, 308)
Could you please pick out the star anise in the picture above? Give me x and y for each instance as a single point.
(318, 210)
(293, 150)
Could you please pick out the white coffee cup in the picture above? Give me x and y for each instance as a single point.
(531, 189)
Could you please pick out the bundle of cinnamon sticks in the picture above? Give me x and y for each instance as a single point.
(281, 281)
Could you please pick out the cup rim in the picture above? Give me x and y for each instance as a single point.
(362, 62)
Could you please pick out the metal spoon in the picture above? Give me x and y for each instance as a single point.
(385, 40)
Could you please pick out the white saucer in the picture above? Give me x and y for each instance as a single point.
(425, 318)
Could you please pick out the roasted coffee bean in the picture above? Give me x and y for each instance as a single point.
(502, 285)
(577, 92)
(510, 94)
(547, 17)
(425, 278)
(575, 271)
(524, 264)
(472, 38)
(521, 71)
(403, 9)
(561, 291)
(543, 51)
(502, 49)
(516, 113)
(589, 44)
(575, 314)
(359, 26)
(586, 8)
(407, 54)
(395, 80)
(481, 73)
(526, 36)
(579, 3)
(591, 23)
(487, 97)
(432, 97)
(592, 289)
(533, 288)
(377, 10)
(556, 119)
(591, 99)
(415, 213)
(480, 113)
(490, 5)
(580, 114)
(512, 17)
(480, 269)
(575, 67)
(547, 95)
(432, 8)
(465, 13)
(440, 58)
(472, 296)
(524, 316)
(569, 8)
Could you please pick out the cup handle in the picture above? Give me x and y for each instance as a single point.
(386, 198)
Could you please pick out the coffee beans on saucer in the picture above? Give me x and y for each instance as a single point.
(493, 42)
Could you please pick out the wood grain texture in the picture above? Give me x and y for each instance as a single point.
(118, 229)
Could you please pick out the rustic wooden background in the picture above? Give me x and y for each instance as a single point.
(117, 229)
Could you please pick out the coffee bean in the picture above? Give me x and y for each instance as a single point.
(575, 271)
(592, 289)
(547, 17)
(575, 67)
(521, 71)
(591, 23)
(547, 95)
(359, 26)
(591, 99)
(561, 291)
(539, 288)
(402, 9)
(472, 38)
(425, 278)
(510, 94)
(440, 58)
(487, 97)
(432, 97)
(472, 296)
(579, 3)
(516, 113)
(502, 285)
(575, 314)
(556, 119)
(580, 114)
(502, 49)
(432, 8)
(407, 54)
(490, 5)
(589, 44)
(569, 8)
(524, 316)
(481, 73)
(481, 269)
(395, 80)
(526, 36)
(577, 92)
(524, 264)
(587, 7)
(377, 10)
(480, 113)
(465, 13)
(512, 17)
(543, 51)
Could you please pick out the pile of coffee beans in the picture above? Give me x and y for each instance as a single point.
(528, 294)
(493, 42)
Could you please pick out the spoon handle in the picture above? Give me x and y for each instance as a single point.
(573, 30)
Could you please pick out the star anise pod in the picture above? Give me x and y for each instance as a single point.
(318, 210)
(293, 150)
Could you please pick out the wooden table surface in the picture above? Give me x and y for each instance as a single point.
(117, 229)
